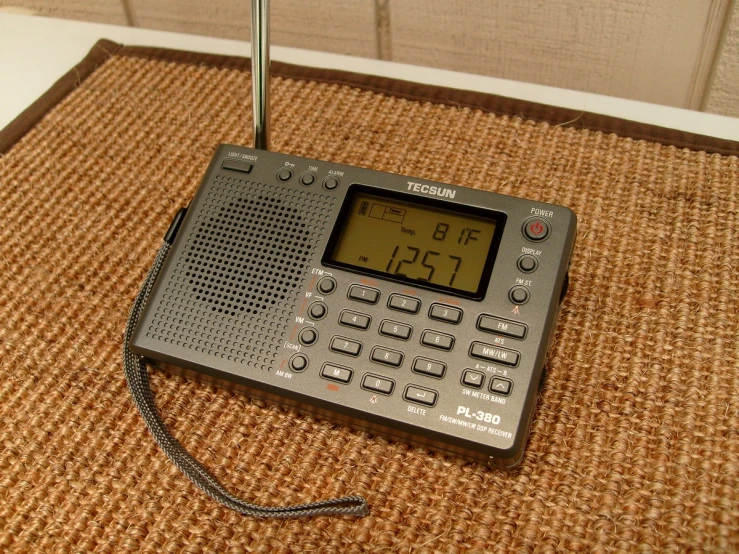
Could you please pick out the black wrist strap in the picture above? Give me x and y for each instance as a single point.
(138, 382)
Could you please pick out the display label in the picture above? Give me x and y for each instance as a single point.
(416, 243)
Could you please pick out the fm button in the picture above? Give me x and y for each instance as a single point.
(536, 229)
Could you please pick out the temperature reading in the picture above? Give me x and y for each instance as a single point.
(415, 243)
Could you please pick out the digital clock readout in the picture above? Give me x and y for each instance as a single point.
(414, 242)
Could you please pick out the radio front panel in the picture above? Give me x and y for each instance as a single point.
(414, 309)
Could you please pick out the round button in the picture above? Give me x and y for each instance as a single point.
(298, 362)
(307, 179)
(285, 174)
(330, 182)
(536, 229)
(527, 263)
(317, 310)
(327, 285)
(519, 295)
(308, 336)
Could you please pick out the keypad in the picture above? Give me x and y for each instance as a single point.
(473, 379)
(364, 294)
(444, 313)
(336, 373)
(491, 324)
(491, 353)
(429, 367)
(419, 395)
(354, 319)
(386, 356)
(379, 384)
(346, 346)
(395, 330)
(404, 303)
(435, 339)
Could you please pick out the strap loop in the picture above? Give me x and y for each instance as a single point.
(138, 382)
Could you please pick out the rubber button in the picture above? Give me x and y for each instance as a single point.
(330, 183)
(317, 310)
(501, 386)
(284, 174)
(519, 295)
(527, 263)
(308, 336)
(298, 362)
(307, 179)
(327, 285)
(536, 229)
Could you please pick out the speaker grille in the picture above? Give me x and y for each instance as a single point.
(238, 279)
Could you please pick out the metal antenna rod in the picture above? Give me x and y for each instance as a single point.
(260, 71)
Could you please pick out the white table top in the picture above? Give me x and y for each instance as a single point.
(36, 51)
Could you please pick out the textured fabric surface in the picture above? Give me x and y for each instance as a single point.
(634, 443)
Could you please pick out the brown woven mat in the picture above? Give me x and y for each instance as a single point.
(634, 444)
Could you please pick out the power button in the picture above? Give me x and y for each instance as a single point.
(536, 229)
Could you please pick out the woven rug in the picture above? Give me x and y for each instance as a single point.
(634, 443)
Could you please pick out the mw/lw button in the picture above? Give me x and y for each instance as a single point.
(336, 373)
(379, 384)
(491, 353)
(419, 395)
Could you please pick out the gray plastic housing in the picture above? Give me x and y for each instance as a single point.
(234, 295)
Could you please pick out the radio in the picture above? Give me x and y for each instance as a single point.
(418, 310)
(413, 309)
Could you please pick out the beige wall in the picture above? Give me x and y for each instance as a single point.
(723, 97)
(663, 51)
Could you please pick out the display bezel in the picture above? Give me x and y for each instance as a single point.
(499, 218)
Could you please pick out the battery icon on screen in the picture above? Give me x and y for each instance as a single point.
(363, 207)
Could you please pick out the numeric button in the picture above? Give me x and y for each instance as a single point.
(364, 294)
(379, 384)
(437, 340)
(395, 330)
(444, 313)
(429, 367)
(354, 319)
(386, 356)
(345, 346)
(404, 303)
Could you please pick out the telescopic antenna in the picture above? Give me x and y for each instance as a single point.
(260, 71)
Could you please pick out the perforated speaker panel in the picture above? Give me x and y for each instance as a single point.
(244, 265)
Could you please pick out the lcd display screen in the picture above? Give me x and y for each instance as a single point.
(414, 242)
